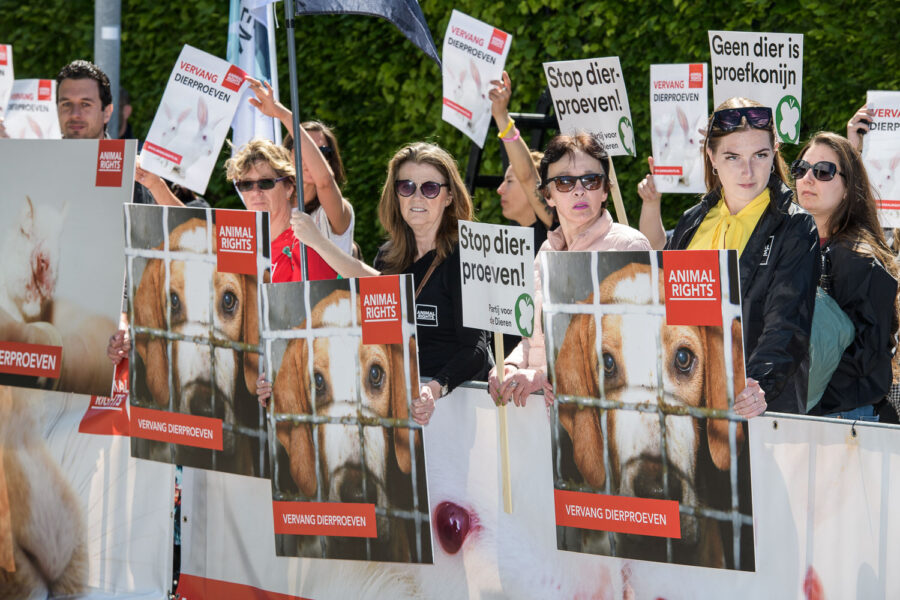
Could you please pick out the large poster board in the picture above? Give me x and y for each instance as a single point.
(881, 154)
(31, 110)
(348, 477)
(193, 314)
(62, 267)
(6, 75)
(642, 351)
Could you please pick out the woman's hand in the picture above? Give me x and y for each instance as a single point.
(499, 96)
(119, 346)
(647, 187)
(146, 178)
(751, 402)
(860, 120)
(305, 228)
(423, 406)
(517, 385)
(263, 390)
(265, 97)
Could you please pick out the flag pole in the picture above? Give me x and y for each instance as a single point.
(295, 111)
(273, 64)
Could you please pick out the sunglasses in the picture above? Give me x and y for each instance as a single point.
(566, 183)
(822, 170)
(266, 184)
(326, 151)
(429, 189)
(729, 119)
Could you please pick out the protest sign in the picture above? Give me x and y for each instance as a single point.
(31, 110)
(881, 154)
(474, 54)
(6, 76)
(589, 95)
(678, 110)
(766, 67)
(194, 318)
(61, 268)
(639, 412)
(193, 118)
(348, 478)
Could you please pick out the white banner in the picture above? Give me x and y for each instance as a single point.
(881, 154)
(766, 67)
(678, 110)
(473, 55)
(496, 265)
(31, 110)
(193, 118)
(6, 76)
(589, 95)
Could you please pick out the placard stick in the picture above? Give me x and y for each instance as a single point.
(621, 215)
(504, 430)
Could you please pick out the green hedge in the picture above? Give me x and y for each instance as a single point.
(362, 76)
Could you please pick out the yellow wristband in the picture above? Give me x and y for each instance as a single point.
(509, 126)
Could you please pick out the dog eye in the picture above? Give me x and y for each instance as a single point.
(376, 376)
(229, 302)
(609, 365)
(175, 301)
(684, 360)
(320, 382)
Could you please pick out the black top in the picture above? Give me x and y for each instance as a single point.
(448, 352)
(779, 271)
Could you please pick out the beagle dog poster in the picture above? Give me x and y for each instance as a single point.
(193, 313)
(62, 262)
(643, 349)
(348, 464)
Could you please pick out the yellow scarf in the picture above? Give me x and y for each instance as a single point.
(721, 230)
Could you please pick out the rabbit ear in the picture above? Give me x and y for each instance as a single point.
(184, 115)
(26, 222)
(35, 128)
(473, 69)
(167, 111)
(682, 119)
(895, 162)
(202, 113)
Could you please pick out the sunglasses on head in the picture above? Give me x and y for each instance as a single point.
(566, 183)
(429, 189)
(729, 119)
(246, 185)
(822, 170)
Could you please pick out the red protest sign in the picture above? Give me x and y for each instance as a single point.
(236, 241)
(35, 360)
(343, 519)
(380, 309)
(110, 163)
(693, 287)
(621, 514)
(176, 428)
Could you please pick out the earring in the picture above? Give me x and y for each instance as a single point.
(715, 172)
(773, 167)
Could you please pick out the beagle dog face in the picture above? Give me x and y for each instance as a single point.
(352, 381)
(685, 368)
(204, 304)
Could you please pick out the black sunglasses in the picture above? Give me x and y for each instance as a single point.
(246, 185)
(566, 183)
(429, 189)
(822, 170)
(729, 119)
(326, 151)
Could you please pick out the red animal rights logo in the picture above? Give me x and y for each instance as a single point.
(693, 287)
(110, 163)
(236, 241)
(695, 76)
(4, 56)
(498, 41)
(45, 89)
(233, 79)
(380, 307)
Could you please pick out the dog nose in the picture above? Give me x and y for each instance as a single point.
(351, 489)
(648, 482)
(452, 523)
(200, 402)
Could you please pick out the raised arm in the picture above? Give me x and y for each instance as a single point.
(858, 126)
(650, 222)
(306, 231)
(156, 185)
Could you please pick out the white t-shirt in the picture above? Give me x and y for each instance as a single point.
(343, 241)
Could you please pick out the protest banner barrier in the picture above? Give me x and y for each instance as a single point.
(348, 464)
(87, 520)
(678, 110)
(766, 67)
(59, 219)
(193, 118)
(31, 110)
(193, 313)
(881, 154)
(6, 76)
(474, 54)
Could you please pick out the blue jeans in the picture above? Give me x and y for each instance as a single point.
(860, 413)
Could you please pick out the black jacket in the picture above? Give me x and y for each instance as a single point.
(779, 270)
(865, 291)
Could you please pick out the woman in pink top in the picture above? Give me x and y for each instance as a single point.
(574, 181)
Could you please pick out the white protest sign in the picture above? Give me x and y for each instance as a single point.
(474, 54)
(881, 154)
(31, 111)
(678, 110)
(193, 118)
(6, 75)
(497, 272)
(766, 67)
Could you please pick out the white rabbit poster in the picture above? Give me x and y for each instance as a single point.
(31, 111)
(63, 261)
(766, 67)
(678, 110)
(473, 55)
(193, 118)
(881, 154)
(6, 76)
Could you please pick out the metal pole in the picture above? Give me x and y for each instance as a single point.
(295, 111)
(273, 63)
(107, 29)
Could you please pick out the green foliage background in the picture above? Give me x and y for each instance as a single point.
(360, 75)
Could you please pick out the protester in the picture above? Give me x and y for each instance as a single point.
(859, 125)
(83, 101)
(125, 130)
(575, 176)
(858, 269)
(749, 208)
(422, 202)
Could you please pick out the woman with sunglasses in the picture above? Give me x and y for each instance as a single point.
(575, 182)
(422, 202)
(858, 270)
(749, 208)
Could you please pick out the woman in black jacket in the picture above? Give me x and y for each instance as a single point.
(859, 270)
(749, 208)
